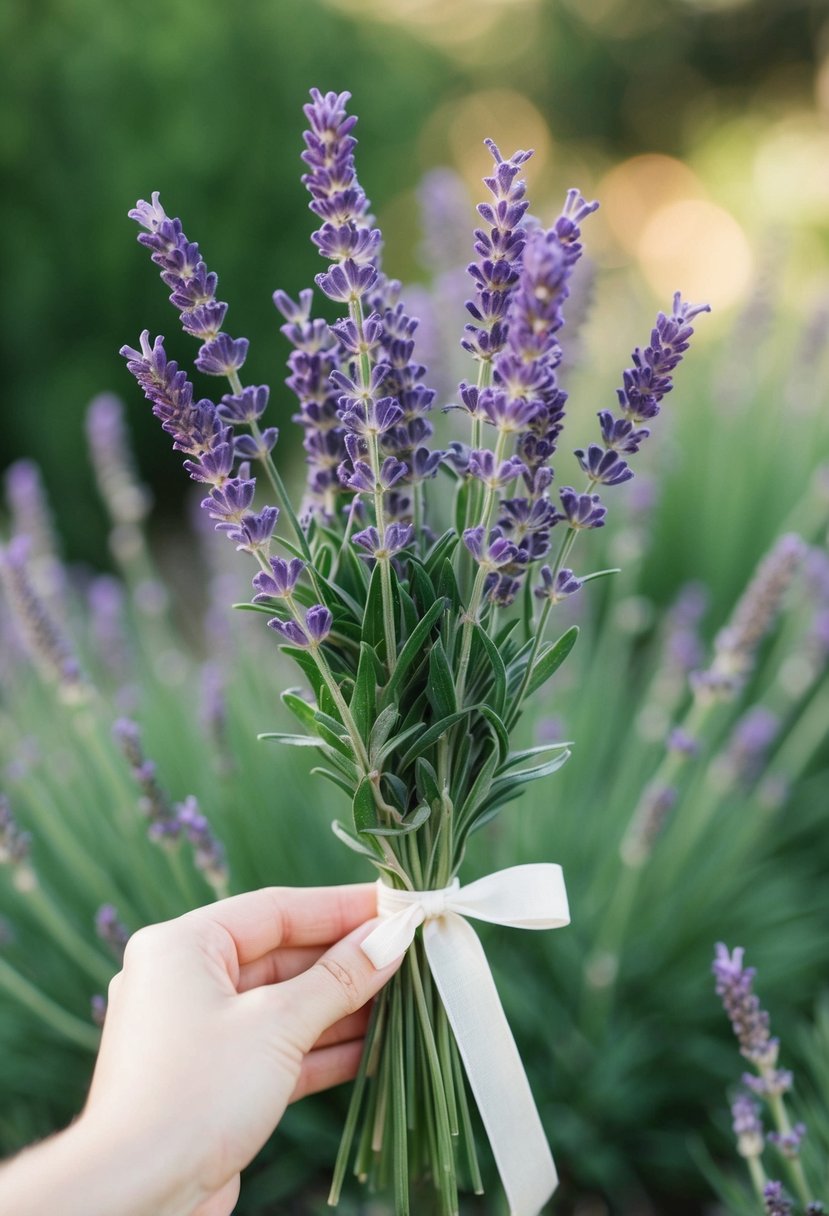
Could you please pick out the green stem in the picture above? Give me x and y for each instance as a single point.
(49, 1012)
(444, 1163)
(784, 1127)
(758, 1177)
(67, 936)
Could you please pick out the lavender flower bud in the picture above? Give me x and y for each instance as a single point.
(556, 589)
(318, 622)
(748, 1127)
(280, 583)
(789, 1142)
(397, 538)
(582, 510)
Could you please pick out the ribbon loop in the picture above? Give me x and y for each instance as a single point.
(524, 897)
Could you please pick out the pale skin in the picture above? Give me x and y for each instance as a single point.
(218, 1021)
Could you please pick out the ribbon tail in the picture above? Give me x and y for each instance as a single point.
(493, 1065)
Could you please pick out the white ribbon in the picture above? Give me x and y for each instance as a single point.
(524, 897)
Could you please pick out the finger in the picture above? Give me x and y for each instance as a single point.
(278, 965)
(260, 921)
(222, 1202)
(339, 983)
(326, 1067)
(353, 1026)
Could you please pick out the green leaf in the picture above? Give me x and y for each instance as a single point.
(497, 697)
(371, 851)
(504, 789)
(399, 792)
(300, 708)
(492, 809)
(551, 659)
(381, 730)
(441, 686)
(519, 757)
(395, 742)
(409, 614)
(332, 732)
(248, 607)
(480, 789)
(427, 781)
(291, 740)
(434, 732)
(414, 821)
(448, 584)
(461, 500)
(414, 647)
(363, 807)
(461, 762)
(336, 779)
(498, 730)
(363, 699)
(373, 615)
(420, 585)
(443, 547)
(304, 659)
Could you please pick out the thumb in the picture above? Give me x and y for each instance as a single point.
(338, 983)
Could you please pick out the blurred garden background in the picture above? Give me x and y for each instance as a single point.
(702, 126)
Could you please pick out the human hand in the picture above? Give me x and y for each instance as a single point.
(218, 1020)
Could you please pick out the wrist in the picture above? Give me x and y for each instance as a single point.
(96, 1169)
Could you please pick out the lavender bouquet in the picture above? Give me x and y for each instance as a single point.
(419, 644)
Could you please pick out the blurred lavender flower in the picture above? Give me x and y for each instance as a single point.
(153, 803)
(98, 1009)
(646, 824)
(111, 930)
(745, 755)
(126, 499)
(31, 516)
(748, 1126)
(15, 844)
(40, 632)
(756, 612)
(789, 1142)
(106, 599)
(750, 1022)
(213, 713)
(209, 853)
(776, 1202)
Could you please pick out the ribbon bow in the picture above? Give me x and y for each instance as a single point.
(523, 897)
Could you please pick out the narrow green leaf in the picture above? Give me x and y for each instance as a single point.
(551, 659)
(412, 822)
(392, 744)
(382, 728)
(448, 584)
(443, 547)
(302, 710)
(480, 788)
(434, 732)
(363, 699)
(414, 647)
(409, 614)
(498, 730)
(497, 697)
(461, 501)
(291, 740)
(427, 781)
(248, 607)
(309, 668)
(373, 615)
(335, 778)
(364, 807)
(441, 687)
(504, 789)
(371, 850)
(519, 757)
(420, 585)
(332, 732)
(396, 792)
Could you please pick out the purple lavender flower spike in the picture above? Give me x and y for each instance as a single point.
(748, 1128)
(749, 1021)
(127, 501)
(209, 854)
(193, 288)
(556, 589)
(281, 581)
(619, 434)
(775, 1200)
(582, 510)
(649, 380)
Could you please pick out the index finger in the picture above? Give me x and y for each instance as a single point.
(260, 921)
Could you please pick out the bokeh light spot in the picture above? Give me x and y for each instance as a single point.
(698, 248)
